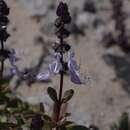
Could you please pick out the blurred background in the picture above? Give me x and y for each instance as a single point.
(101, 41)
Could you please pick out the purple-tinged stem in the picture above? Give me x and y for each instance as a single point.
(61, 87)
(2, 62)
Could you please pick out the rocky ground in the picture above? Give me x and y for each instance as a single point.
(106, 93)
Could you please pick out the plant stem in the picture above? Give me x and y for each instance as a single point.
(2, 45)
(2, 70)
(2, 61)
(61, 73)
(61, 87)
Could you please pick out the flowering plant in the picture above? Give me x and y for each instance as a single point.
(40, 120)
(60, 66)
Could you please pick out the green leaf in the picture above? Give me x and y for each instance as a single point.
(3, 118)
(48, 122)
(12, 110)
(52, 93)
(62, 127)
(46, 117)
(3, 98)
(124, 122)
(4, 82)
(68, 95)
(67, 114)
(113, 126)
(20, 121)
(28, 114)
(42, 108)
(77, 127)
(67, 123)
(7, 125)
(48, 126)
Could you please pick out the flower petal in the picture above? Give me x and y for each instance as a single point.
(74, 76)
(56, 66)
(72, 64)
(57, 56)
(73, 69)
(43, 76)
(14, 68)
(15, 71)
(12, 57)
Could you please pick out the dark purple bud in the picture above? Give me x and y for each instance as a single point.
(4, 54)
(89, 6)
(62, 32)
(55, 46)
(4, 21)
(62, 9)
(61, 48)
(66, 19)
(37, 122)
(58, 22)
(4, 34)
(25, 74)
(67, 47)
(4, 10)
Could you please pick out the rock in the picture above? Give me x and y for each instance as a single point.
(40, 98)
(89, 6)
(85, 19)
(36, 7)
(78, 115)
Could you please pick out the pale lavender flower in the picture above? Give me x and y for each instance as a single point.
(26, 73)
(11, 56)
(53, 68)
(56, 67)
(12, 59)
(43, 76)
(73, 69)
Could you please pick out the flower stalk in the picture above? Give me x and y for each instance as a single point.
(2, 69)
(61, 88)
(63, 18)
(2, 62)
(120, 18)
(4, 12)
(61, 65)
